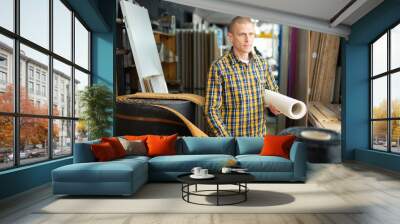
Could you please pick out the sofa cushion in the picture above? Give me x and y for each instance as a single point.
(131, 158)
(134, 147)
(206, 145)
(249, 145)
(159, 145)
(277, 145)
(93, 172)
(257, 163)
(136, 137)
(103, 152)
(116, 144)
(185, 163)
(112, 171)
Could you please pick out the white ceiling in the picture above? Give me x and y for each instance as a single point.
(321, 9)
(306, 14)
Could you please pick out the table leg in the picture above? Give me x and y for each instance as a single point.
(182, 188)
(217, 194)
(245, 191)
(188, 189)
(196, 188)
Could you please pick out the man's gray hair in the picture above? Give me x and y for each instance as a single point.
(239, 19)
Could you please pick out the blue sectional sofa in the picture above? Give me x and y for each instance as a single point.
(125, 176)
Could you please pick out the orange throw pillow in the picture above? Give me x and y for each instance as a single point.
(103, 151)
(277, 145)
(134, 137)
(116, 145)
(161, 145)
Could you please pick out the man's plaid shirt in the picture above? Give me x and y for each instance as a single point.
(234, 103)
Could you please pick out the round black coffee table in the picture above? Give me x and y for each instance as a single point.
(238, 179)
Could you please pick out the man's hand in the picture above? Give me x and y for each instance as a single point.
(274, 110)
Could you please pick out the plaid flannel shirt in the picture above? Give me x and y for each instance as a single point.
(234, 104)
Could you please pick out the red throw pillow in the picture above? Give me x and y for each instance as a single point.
(134, 137)
(277, 145)
(116, 145)
(103, 151)
(161, 145)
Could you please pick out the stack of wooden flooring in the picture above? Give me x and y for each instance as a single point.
(324, 78)
(323, 115)
(324, 75)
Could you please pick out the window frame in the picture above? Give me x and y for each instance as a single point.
(388, 74)
(16, 114)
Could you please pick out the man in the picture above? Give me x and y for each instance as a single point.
(236, 84)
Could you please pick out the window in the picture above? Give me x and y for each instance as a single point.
(35, 21)
(62, 137)
(3, 72)
(30, 87)
(6, 142)
(395, 47)
(30, 72)
(3, 78)
(38, 89)
(7, 14)
(3, 61)
(81, 81)
(44, 91)
(6, 71)
(45, 131)
(62, 74)
(33, 148)
(37, 74)
(81, 45)
(385, 95)
(62, 29)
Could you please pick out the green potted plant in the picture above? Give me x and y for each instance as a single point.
(96, 104)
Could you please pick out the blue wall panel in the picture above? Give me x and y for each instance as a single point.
(356, 103)
(377, 158)
(103, 52)
(24, 178)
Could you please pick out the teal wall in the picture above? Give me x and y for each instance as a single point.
(355, 106)
(99, 16)
(103, 52)
(24, 178)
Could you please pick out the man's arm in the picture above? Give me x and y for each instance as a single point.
(213, 103)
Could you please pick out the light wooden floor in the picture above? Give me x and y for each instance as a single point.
(378, 188)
